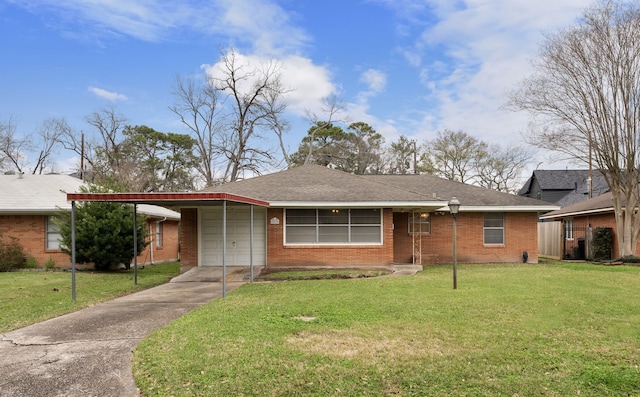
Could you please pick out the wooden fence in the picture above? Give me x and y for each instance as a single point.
(550, 239)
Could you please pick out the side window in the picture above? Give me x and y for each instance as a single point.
(568, 229)
(53, 237)
(493, 230)
(159, 234)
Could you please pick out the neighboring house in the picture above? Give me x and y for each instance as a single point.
(312, 216)
(579, 219)
(563, 187)
(28, 204)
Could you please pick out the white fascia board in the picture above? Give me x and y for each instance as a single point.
(507, 208)
(578, 213)
(356, 204)
(33, 211)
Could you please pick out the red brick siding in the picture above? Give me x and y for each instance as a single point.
(30, 230)
(169, 250)
(189, 237)
(279, 255)
(520, 235)
(603, 220)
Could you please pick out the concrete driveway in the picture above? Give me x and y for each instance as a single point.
(88, 353)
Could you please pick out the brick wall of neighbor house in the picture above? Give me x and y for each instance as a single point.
(169, 250)
(279, 255)
(603, 220)
(30, 231)
(189, 237)
(520, 235)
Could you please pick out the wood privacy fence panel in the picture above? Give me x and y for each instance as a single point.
(550, 239)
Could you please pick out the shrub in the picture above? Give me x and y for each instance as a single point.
(50, 264)
(12, 255)
(32, 262)
(602, 243)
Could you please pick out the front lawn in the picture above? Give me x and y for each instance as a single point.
(509, 330)
(29, 296)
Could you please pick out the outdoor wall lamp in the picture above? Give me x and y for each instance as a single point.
(454, 207)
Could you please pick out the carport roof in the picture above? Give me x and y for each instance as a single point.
(168, 199)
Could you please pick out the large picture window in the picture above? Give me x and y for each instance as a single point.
(53, 236)
(494, 228)
(333, 226)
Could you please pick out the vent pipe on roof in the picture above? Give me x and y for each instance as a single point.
(20, 175)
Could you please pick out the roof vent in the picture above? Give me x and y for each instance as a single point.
(20, 175)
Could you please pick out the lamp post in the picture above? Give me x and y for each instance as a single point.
(454, 206)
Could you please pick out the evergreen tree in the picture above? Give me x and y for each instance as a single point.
(104, 233)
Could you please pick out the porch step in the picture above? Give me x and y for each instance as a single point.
(213, 274)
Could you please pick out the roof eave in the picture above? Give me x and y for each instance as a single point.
(578, 213)
(358, 204)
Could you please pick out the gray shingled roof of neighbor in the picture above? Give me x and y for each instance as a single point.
(314, 185)
(47, 194)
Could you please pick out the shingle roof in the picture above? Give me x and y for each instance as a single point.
(47, 194)
(598, 204)
(317, 184)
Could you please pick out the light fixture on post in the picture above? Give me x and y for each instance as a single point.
(454, 207)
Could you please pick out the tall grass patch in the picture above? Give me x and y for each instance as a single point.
(507, 330)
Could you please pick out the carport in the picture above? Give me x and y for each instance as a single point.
(176, 200)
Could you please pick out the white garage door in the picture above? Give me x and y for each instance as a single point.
(238, 237)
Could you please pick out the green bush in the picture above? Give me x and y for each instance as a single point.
(602, 243)
(32, 262)
(12, 255)
(50, 264)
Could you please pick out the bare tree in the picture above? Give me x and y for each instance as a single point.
(250, 89)
(585, 99)
(49, 134)
(12, 147)
(229, 112)
(15, 150)
(501, 170)
(453, 155)
(196, 104)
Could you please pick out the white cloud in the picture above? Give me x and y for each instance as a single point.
(484, 50)
(306, 84)
(108, 95)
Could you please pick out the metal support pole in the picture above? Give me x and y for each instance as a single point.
(73, 250)
(455, 255)
(224, 248)
(135, 244)
(251, 241)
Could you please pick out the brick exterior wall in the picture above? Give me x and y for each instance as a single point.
(30, 230)
(279, 255)
(189, 237)
(170, 243)
(520, 235)
(603, 220)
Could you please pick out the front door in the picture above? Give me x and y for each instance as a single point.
(238, 236)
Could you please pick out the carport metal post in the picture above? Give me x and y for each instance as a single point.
(251, 241)
(135, 244)
(73, 250)
(224, 248)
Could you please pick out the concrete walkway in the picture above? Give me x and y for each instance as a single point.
(88, 352)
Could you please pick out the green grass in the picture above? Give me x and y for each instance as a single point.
(27, 297)
(509, 330)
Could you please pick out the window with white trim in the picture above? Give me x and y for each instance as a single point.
(493, 230)
(159, 234)
(419, 222)
(53, 236)
(333, 226)
(568, 229)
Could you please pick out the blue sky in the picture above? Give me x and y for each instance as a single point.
(406, 67)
